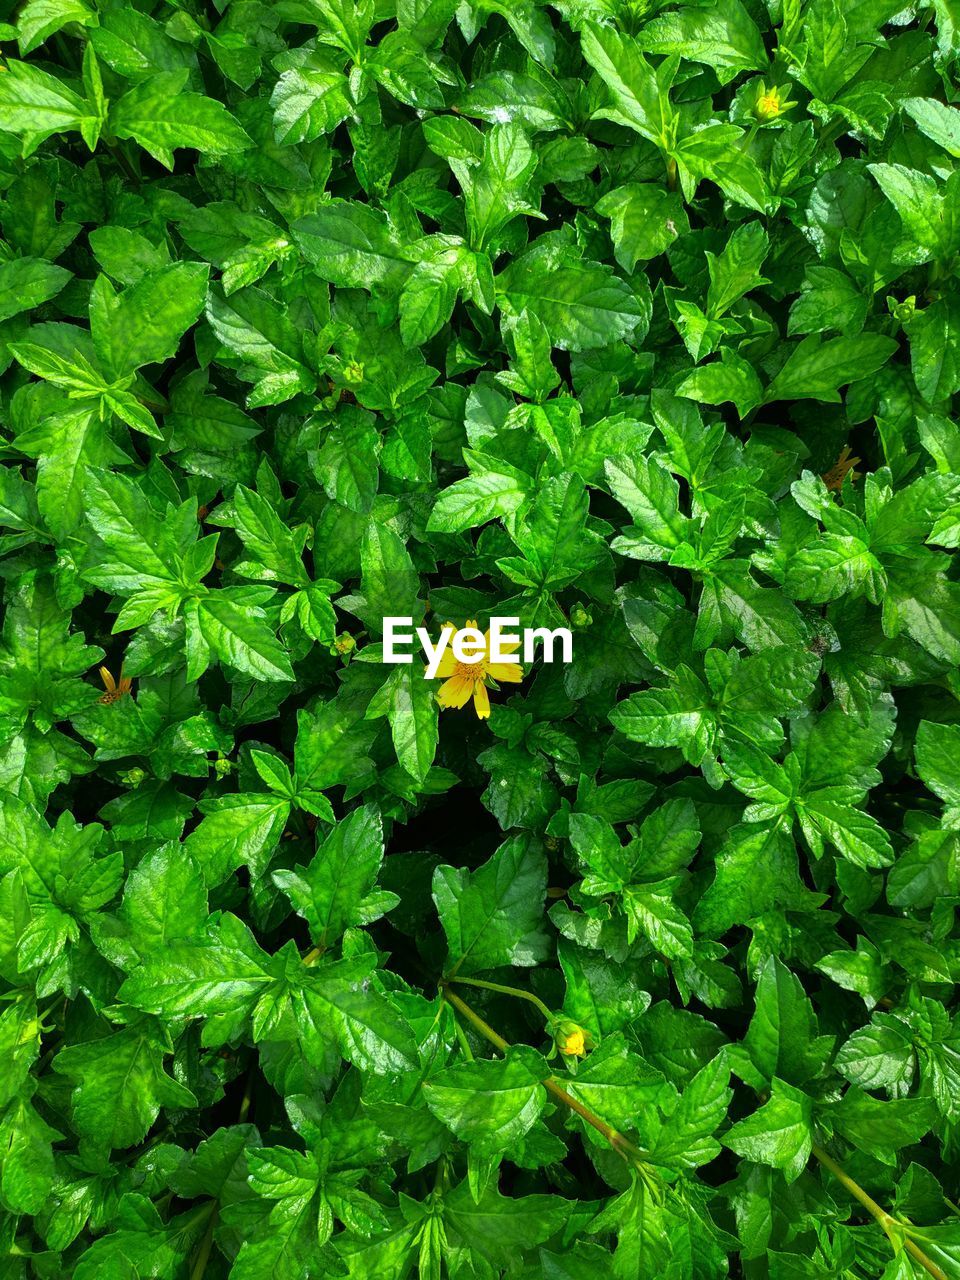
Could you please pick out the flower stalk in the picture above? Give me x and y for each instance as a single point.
(623, 1146)
(891, 1227)
(507, 991)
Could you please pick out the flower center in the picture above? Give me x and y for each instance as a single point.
(768, 105)
(471, 671)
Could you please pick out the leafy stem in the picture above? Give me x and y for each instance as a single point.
(462, 1040)
(206, 1244)
(890, 1225)
(507, 991)
(623, 1146)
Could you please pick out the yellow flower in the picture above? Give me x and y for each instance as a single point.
(771, 103)
(114, 691)
(463, 680)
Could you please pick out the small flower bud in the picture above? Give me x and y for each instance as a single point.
(903, 311)
(571, 1039)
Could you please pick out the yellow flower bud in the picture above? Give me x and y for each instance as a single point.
(573, 1043)
(571, 1039)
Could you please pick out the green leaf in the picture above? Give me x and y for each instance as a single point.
(640, 92)
(645, 220)
(618, 1085)
(937, 121)
(40, 19)
(144, 324)
(490, 1103)
(782, 1036)
(237, 631)
(933, 336)
(161, 117)
(835, 566)
(651, 911)
(26, 283)
(880, 1056)
(353, 245)
(686, 1140)
(267, 538)
(581, 304)
(336, 889)
(308, 103)
(371, 1034)
(480, 497)
(224, 972)
(926, 217)
(816, 370)
(492, 916)
(41, 658)
(37, 104)
(780, 1134)
(238, 830)
(347, 463)
(651, 495)
(729, 378)
(120, 1086)
(723, 37)
(164, 899)
(937, 753)
(414, 719)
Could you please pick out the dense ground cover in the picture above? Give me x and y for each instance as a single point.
(640, 319)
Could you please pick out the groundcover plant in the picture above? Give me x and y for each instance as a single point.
(634, 318)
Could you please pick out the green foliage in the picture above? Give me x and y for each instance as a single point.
(641, 318)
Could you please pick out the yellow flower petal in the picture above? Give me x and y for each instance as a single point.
(455, 692)
(447, 665)
(505, 672)
(481, 701)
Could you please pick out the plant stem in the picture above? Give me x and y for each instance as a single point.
(206, 1245)
(462, 1040)
(507, 991)
(886, 1221)
(475, 1020)
(619, 1143)
(313, 955)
